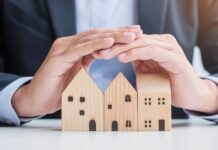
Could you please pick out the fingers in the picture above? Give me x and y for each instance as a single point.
(142, 42)
(156, 54)
(80, 50)
(166, 38)
(133, 29)
(107, 53)
(165, 58)
(117, 49)
(119, 37)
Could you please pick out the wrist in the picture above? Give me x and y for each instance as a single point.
(208, 97)
(21, 102)
(27, 102)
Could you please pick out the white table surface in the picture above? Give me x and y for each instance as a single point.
(46, 134)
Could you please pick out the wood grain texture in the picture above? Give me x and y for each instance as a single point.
(154, 102)
(87, 99)
(116, 109)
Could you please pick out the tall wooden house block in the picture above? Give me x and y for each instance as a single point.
(120, 106)
(154, 102)
(82, 105)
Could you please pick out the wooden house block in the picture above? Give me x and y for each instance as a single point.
(120, 106)
(154, 102)
(82, 105)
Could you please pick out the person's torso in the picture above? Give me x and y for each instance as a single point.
(30, 27)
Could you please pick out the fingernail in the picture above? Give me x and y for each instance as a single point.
(106, 51)
(134, 27)
(122, 55)
(128, 34)
(109, 40)
(135, 30)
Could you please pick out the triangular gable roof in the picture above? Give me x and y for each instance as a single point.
(120, 79)
(80, 77)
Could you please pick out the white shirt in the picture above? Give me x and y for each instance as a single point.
(92, 14)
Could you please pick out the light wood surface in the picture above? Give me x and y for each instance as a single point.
(154, 102)
(123, 111)
(85, 107)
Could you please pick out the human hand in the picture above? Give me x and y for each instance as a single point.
(66, 56)
(163, 54)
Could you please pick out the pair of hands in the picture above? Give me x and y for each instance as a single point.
(148, 54)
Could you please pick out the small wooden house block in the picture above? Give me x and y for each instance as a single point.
(82, 105)
(120, 106)
(154, 102)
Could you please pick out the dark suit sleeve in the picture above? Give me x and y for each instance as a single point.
(208, 34)
(5, 78)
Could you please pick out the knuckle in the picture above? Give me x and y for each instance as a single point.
(94, 31)
(58, 42)
(115, 36)
(100, 42)
(131, 53)
(94, 43)
(85, 39)
(151, 48)
(170, 37)
(88, 37)
(116, 46)
(143, 42)
(57, 59)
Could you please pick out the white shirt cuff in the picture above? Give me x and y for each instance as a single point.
(213, 118)
(7, 113)
(213, 78)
